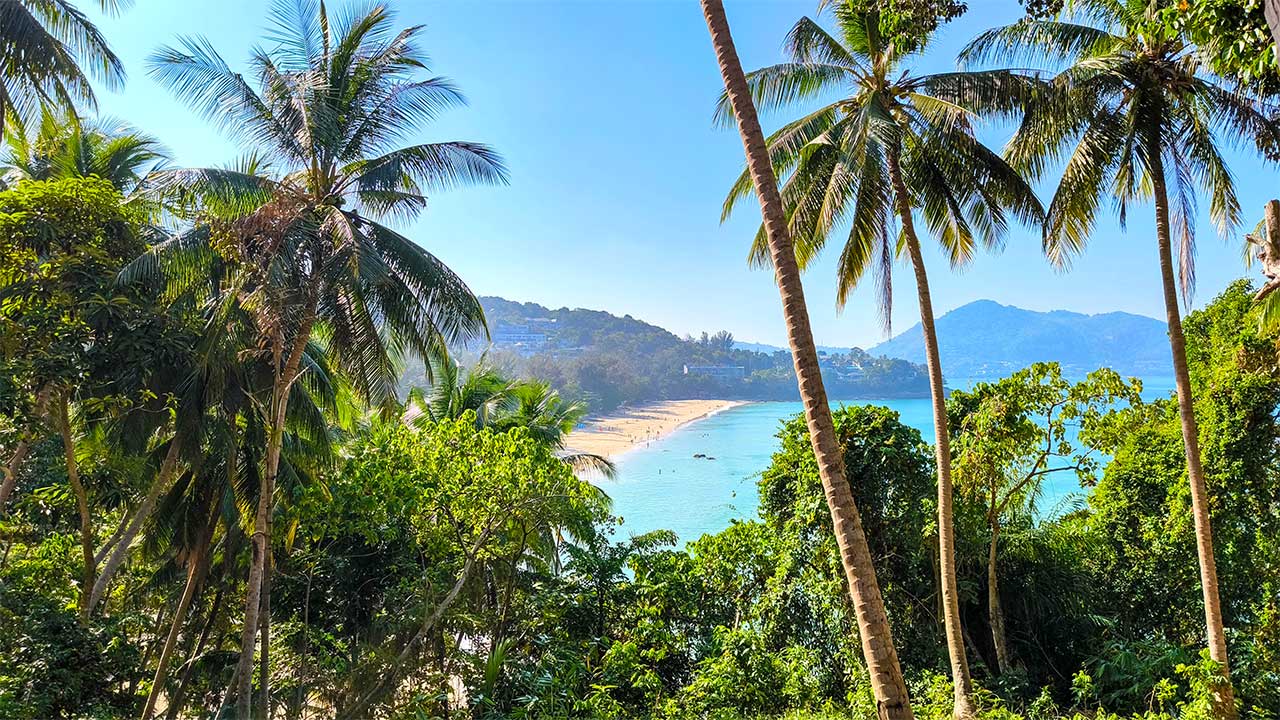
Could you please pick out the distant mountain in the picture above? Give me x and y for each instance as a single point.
(985, 339)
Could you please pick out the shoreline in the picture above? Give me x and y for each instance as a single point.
(617, 434)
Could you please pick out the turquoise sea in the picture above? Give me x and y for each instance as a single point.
(662, 485)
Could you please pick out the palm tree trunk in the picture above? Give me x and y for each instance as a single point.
(82, 505)
(197, 565)
(995, 613)
(20, 452)
(960, 679)
(855, 555)
(242, 679)
(263, 709)
(179, 695)
(1217, 640)
(167, 469)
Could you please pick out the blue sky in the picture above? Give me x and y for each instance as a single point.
(603, 112)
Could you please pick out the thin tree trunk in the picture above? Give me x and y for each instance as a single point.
(116, 559)
(855, 555)
(112, 539)
(82, 505)
(151, 648)
(960, 679)
(995, 613)
(196, 569)
(11, 469)
(20, 453)
(176, 702)
(242, 680)
(391, 675)
(1217, 640)
(264, 653)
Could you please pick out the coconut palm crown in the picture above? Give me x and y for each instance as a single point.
(1134, 116)
(836, 160)
(71, 146)
(323, 123)
(1131, 100)
(43, 44)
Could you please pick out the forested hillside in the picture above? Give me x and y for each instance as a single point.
(606, 361)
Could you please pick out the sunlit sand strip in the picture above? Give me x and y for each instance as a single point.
(634, 428)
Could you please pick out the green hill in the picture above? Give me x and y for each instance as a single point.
(610, 361)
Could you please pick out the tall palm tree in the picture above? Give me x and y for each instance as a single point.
(892, 145)
(334, 97)
(873, 624)
(42, 46)
(1135, 117)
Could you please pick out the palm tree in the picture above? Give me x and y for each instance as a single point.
(502, 403)
(42, 45)
(894, 144)
(334, 98)
(1134, 118)
(873, 624)
(71, 146)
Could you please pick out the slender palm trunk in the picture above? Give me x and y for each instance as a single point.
(178, 698)
(1217, 638)
(82, 504)
(242, 680)
(114, 561)
(263, 708)
(873, 624)
(960, 679)
(20, 453)
(197, 566)
(995, 612)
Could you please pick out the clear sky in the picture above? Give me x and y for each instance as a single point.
(603, 113)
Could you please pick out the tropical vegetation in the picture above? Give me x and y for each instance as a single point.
(258, 461)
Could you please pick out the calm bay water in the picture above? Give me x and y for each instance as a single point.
(662, 485)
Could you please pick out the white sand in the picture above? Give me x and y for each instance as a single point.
(630, 428)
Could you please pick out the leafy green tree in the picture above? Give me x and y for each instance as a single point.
(893, 146)
(42, 47)
(1014, 434)
(1135, 118)
(63, 243)
(1143, 511)
(503, 403)
(412, 519)
(889, 473)
(334, 98)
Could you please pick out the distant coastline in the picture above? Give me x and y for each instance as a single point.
(627, 429)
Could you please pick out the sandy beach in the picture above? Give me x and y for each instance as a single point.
(633, 428)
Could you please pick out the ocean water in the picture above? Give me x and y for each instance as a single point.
(661, 485)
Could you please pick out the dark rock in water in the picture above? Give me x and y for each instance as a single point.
(699, 455)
